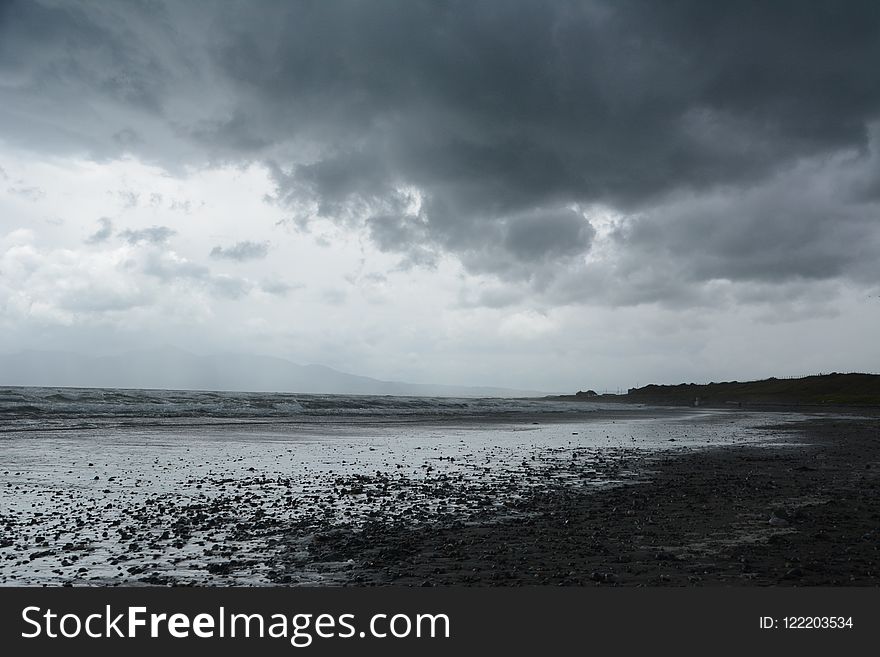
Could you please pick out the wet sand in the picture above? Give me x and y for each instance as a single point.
(804, 512)
(611, 501)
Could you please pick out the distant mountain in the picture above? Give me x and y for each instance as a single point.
(175, 369)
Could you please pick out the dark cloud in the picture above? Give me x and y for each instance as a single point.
(241, 251)
(540, 235)
(392, 233)
(151, 235)
(405, 234)
(802, 224)
(503, 115)
(232, 134)
(104, 233)
(473, 128)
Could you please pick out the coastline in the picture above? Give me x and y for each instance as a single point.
(631, 497)
(700, 518)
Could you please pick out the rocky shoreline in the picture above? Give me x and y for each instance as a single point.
(805, 511)
(799, 508)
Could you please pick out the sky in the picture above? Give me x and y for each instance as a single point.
(553, 195)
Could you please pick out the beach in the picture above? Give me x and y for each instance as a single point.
(212, 489)
(804, 512)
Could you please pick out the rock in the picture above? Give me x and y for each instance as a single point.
(777, 520)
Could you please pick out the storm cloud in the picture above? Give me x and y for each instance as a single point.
(481, 129)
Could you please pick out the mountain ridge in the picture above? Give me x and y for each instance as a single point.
(173, 368)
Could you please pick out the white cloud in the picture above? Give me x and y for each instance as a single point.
(526, 325)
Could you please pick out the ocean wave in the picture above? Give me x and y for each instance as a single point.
(97, 403)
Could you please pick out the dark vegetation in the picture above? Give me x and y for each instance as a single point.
(825, 390)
